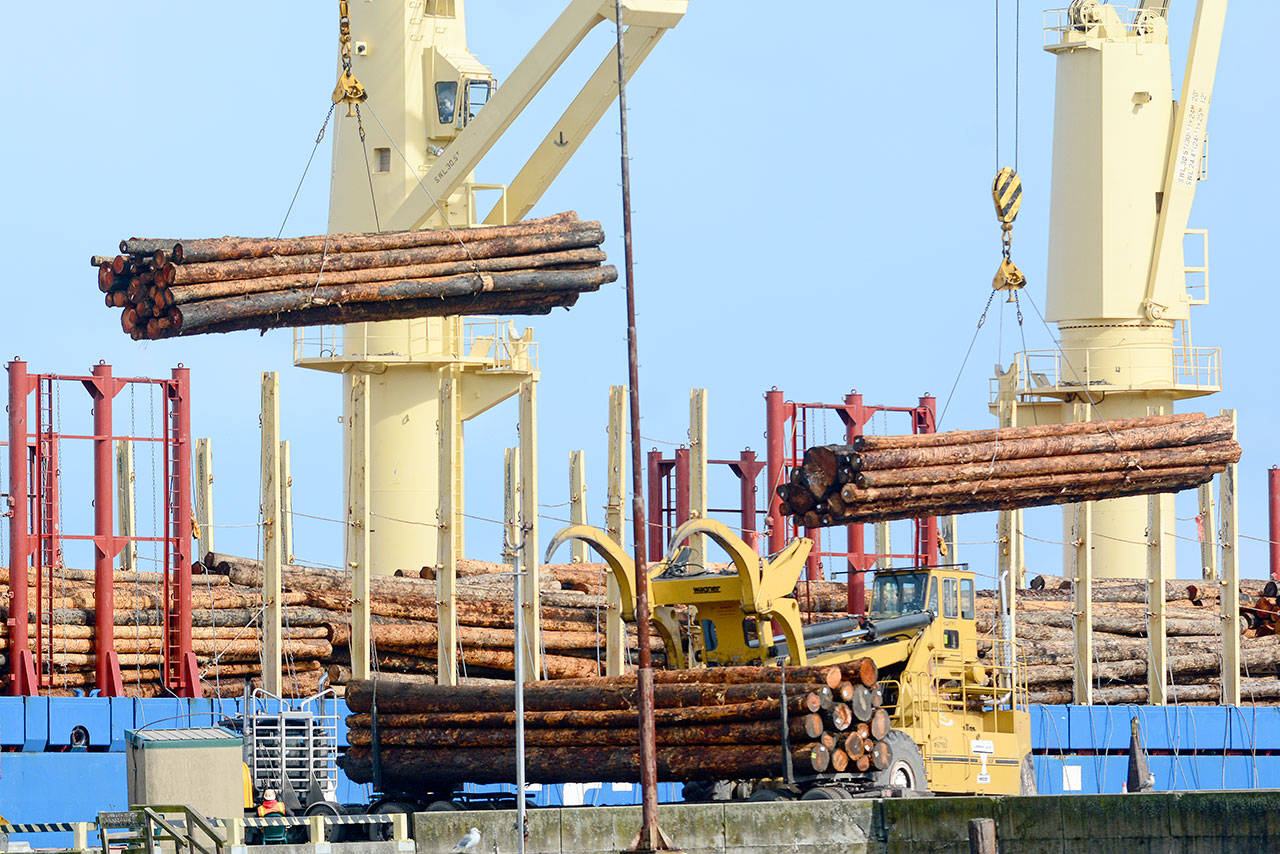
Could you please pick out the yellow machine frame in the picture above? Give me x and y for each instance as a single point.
(968, 718)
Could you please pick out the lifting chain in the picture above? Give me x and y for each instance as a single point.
(348, 91)
(1006, 191)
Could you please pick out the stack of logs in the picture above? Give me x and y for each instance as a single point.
(226, 637)
(227, 609)
(881, 478)
(715, 723)
(404, 618)
(1121, 648)
(189, 287)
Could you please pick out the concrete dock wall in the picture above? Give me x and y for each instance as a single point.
(1244, 822)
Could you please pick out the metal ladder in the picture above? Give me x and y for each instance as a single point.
(45, 523)
(172, 553)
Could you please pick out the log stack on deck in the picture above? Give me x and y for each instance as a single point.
(881, 478)
(1121, 648)
(711, 723)
(226, 636)
(227, 609)
(189, 287)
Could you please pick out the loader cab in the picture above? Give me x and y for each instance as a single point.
(947, 592)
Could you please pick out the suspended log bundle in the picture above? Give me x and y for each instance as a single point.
(881, 478)
(1121, 648)
(169, 288)
(734, 722)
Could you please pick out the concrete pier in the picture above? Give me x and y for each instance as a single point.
(1243, 822)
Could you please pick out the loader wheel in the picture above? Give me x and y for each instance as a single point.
(769, 795)
(825, 793)
(906, 771)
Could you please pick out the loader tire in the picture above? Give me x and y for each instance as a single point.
(906, 771)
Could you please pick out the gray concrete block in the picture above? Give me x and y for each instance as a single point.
(1251, 814)
(798, 825)
(599, 829)
(439, 831)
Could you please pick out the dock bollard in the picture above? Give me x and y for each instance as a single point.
(982, 836)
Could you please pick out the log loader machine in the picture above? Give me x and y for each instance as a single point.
(960, 724)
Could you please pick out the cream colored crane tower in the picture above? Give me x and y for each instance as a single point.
(1126, 161)
(433, 112)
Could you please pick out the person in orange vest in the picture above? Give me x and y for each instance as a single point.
(270, 806)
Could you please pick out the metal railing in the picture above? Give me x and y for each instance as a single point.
(1069, 25)
(1050, 372)
(489, 342)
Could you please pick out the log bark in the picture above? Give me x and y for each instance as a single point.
(183, 294)
(1217, 429)
(1213, 453)
(966, 437)
(1085, 481)
(544, 696)
(227, 248)
(320, 315)
(424, 770)
(250, 305)
(750, 732)
(582, 235)
(608, 718)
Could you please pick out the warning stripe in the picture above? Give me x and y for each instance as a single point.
(41, 827)
(1007, 191)
(297, 821)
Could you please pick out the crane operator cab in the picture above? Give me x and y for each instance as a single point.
(457, 87)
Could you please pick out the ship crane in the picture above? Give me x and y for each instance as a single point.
(1126, 161)
(429, 114)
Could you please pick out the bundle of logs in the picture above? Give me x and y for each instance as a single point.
(1121, 648)
(189, 287)
(226, 636)
(726, 722)
(404, 614)
(881, 478)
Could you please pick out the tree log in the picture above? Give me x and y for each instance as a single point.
(1214, 453)
(183, 294)
(749, 732)
(754, 710)
(547, 696)
(229, 248)
(416, 770)
(968, 437)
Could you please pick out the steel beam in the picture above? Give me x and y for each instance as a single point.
(286, 503)
(126, 505)
(531, 602)
(775, 419)
(103, 389)
(510, 504)
(450, 533)
(1082, 586)
(698, 470)
(1208, 533)
(356, 541)
(1230, 597)
(204, 496)
(614, 631)
(1157, 617)
(578, 501)
(22, 675)
(272, 675)
(188, 671)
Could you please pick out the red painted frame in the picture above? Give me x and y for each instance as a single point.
(35, 535)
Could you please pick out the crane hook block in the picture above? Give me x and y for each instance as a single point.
(1008, 278)
(1006, 190)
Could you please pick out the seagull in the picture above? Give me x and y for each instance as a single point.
(466, 843)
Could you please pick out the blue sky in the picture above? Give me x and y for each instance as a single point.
(812, 212)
